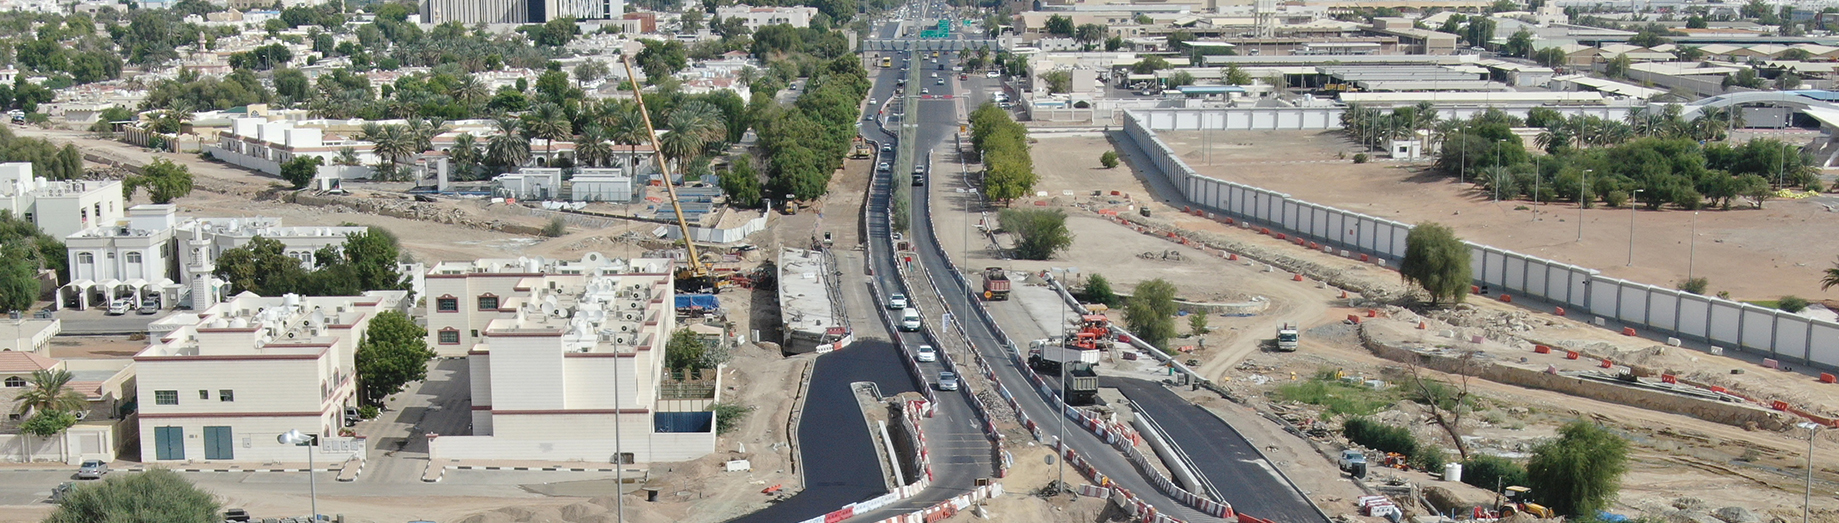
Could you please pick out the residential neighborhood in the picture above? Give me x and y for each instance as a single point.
(586, 261)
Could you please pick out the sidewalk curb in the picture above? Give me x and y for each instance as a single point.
(542, 469)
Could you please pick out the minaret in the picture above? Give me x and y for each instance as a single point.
(203, 293)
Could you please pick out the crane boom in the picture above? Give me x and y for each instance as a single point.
(697, 269)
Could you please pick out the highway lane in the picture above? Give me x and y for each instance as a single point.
(1229, 461)
(938, 119)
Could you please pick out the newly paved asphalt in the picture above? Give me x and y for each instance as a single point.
(1230, 462)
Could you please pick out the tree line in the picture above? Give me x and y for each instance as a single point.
(366, 261)
(1003, 145)
(1658, 158)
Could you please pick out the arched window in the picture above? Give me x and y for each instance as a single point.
(84, 257)
(15, 382)
(133, 257)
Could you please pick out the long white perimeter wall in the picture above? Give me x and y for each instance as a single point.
(1307, 118)
(1724, 323)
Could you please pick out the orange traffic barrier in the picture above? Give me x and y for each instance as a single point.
(1669, 378)
(1422, 325)
(1370, 313)
(1264, 230)
(1343, 295)
(1628, 331)
(1233, 257)
(1717, 389)
(1363, 258)
(772, 489)
(1779, 405)
(1827, 377)
(1296, 277)
(1541, 349)
(1353, 318)
(1607, 364)
(1280, 235)
(1506, 298)
(1230, 221)
(1560, 311)
(1474, 289)
(1570, 354)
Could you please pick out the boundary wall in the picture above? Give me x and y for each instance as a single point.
(1769, 333)
(1306, 118)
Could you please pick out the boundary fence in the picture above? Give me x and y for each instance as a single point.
(1776, 335)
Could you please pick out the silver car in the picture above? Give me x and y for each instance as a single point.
(92, 469)
(948, 381)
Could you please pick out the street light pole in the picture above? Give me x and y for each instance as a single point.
(1631, 226)
(1060, 444)
(1813, 430)
(1693, 251)
(1583, 197)
(295, 437)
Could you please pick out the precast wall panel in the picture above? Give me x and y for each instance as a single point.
(1757, 327)
(1397, 247)
(1494, 267)
(1632, 306)
(1264, 120)
(1536, 274)
(1723, 323)
(1791, 336)
(1238, 120)
(1580, 291)
(1516, 274)
(1823, 345)
(1318, 221)
(1605, 293)
(1187, 121)
(1694, 314)
(1662, 303)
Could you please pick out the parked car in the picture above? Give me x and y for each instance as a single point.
(1353, 463)
(120, 307)
(948, 381)
(991, 74)
(92, 469)
(149, 307)
(926, 354)
(352, 417)
(897, 300)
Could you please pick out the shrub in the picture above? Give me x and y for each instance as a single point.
(1109, 159)
(1815, 186)
(1360, 158)
(556, 227)
(1695, 285)
(1791, 303)
(1429, 458)
(369, 412)
(1039, 232)
(1338, 398)
(1492, 471)
(1615, 198)
(1379, 436)
(728, 416)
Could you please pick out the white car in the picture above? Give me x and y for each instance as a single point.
(925, 90)
(926, 354)
(897, 301)
(883, 167)
(120, 307)
(991, 74)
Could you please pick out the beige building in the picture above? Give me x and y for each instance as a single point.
(566, 361)
(250, 369)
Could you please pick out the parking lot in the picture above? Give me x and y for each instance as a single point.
(97, 321)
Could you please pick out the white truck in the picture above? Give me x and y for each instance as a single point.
(1046, 355)
(1286, 337)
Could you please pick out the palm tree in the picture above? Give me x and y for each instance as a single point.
(49, 391)
(464, 154)
(393, 144)
(692, 126)
(548, 122)
(472, 92)
(1831, 278)
(623, 124)
(592, 148)
(508, 148)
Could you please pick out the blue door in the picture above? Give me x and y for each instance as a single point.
(218, 443)
(169, 443)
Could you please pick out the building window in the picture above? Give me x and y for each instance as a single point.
(165, 397)
(449, 337)
(488, 303)
(475, 333)
(13, 382)
(447, 304)
(84, 257)
(204, 394)
(226, 395)
(133, 257)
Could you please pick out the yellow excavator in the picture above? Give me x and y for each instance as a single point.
(694, 276)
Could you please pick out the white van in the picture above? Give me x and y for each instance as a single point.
(910, 319)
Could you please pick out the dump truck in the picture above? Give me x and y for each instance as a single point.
(1286, 337)
(1081, 385)
(1047, 355)
(995, 284)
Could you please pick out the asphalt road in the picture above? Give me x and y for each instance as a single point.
(1235, 468)
(938, 120)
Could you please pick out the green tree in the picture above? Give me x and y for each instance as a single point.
(301, 170)
(1150, 65)
(1745, 77)
(1180, 78)
(1520, 44)
(1150, 312)
(1098, 290)
(1437, 261)
(1090, 33)
(684, 351)
(1618, 66)
(1109, 159)
(1697, 22)
(155, 495)
(1059, 81)
(1236, 76)
(1039, 232)
(555, 33)
(1197, 323)
(49, 391)
(24, 250)
(1491, 472)
(393, 353)
(1580, 472)
(1059, 25)
(165, 181)
(741, 183)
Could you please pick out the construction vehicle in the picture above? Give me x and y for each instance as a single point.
(1099, 327)
(1286, 337)
(862, 149)
(694, 275)
(1046, 356)
(1082, 384)
(995, 284)
(1519, 499)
